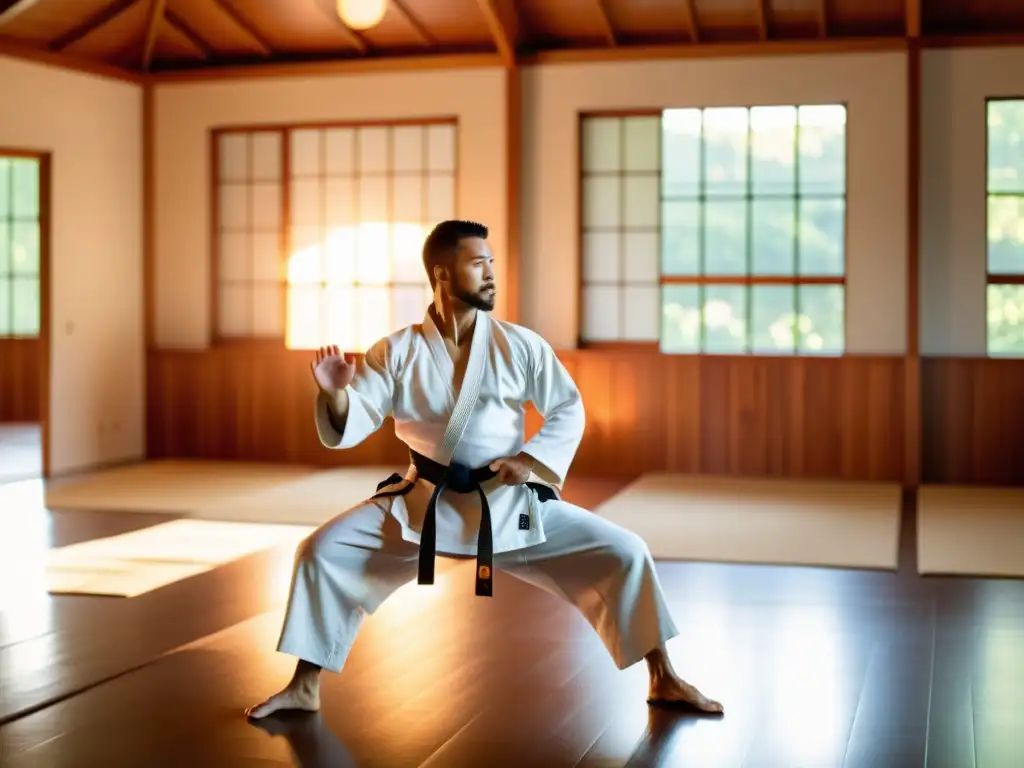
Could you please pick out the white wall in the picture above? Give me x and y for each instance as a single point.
(186, 112)
(874, 88)
(954, 260)
(93, 127)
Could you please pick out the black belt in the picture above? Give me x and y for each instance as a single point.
(461, 479)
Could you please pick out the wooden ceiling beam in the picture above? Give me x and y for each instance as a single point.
(691, 20)
(503, 23)
(775, 47)
(822, 19)
(912, 9)
(19, 50)
(11, 9)
(156, 15)
(762, 19)
(606, 23)
(330, 9)
(421, 32)
(91, 24)
(186, 30)
(244, 24)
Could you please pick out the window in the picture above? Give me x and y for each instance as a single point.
(20, 236)
(321, 229)
(249, 235)
(716, 230)
(1005, 300)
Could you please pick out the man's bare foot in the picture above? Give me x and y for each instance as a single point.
(302, 693)
(673, 691)
(667, 689)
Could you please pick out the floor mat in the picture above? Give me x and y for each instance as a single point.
(167, 486)
(848, 525)
(970, 531)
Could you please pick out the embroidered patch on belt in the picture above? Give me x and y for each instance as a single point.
(524, 522)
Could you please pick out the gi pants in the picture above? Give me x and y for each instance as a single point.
(351, 564)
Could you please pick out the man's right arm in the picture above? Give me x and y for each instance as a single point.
(347, 417)
(337, 411)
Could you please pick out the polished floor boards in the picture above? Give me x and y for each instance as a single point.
(816, 668)
(21, 452)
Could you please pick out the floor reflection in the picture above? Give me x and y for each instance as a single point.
(312, 743)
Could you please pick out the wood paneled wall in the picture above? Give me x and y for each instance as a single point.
(20, 383)
(972, 421)
(784, 417)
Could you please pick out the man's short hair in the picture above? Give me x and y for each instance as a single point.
(443, 241)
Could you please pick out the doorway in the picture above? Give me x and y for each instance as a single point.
(24, 326)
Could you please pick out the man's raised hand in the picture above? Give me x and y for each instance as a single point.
(332, 372)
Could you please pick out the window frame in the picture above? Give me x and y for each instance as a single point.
(747, 280)
(42, 220)
(284, 130)
(997, 278)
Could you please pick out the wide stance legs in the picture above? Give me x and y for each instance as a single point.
(350, 565)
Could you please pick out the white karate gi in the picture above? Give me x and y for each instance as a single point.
(352, 563)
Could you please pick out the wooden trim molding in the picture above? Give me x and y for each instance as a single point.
(912, 363)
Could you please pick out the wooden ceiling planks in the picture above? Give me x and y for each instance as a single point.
(210, 36)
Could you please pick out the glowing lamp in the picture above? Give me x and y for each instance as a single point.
(362, 14)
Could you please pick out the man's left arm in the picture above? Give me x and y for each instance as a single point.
(558, 400)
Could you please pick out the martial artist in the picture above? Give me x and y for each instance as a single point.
(456, 386)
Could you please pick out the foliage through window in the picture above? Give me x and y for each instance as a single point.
(718, 230)
(20, 238)
(321, 229)
(1005, 299)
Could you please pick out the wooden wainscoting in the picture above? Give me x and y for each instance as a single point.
(20, 384)
(823, 418)
(972, 421)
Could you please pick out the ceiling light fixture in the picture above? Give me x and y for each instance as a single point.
(362, 14)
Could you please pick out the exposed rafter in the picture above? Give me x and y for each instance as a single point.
(153, 21)
(351, 36)
(763, 23)
(185, 30)
(503, 22)
(91, 24)
(691, 20)
(246, 26)
(11, 9)
(421, 32)
(606, 23)
(913, 18)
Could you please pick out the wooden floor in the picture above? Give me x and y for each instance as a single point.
(21, 451)
(816, 668)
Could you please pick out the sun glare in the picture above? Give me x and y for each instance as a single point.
(356, 285)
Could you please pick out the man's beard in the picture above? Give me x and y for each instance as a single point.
(482, 300)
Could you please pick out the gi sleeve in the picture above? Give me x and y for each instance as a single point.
(554, 394)
(369, 401)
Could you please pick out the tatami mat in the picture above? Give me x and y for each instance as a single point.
(848, 525)
(970, 531)
(245, 492)
(168, 486)
(309, 500)
(854, 525)
(139, 561)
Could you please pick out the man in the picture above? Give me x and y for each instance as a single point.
(456, 387)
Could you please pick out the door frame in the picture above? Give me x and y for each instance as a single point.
(45, 160)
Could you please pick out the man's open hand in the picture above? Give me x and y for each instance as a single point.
(513, 470)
